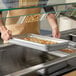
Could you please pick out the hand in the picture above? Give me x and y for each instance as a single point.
(5, 34)
(56, 33)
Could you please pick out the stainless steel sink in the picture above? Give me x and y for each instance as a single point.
(17, 61)
(14, 58)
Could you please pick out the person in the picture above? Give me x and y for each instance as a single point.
(11, 28)
(15, 57)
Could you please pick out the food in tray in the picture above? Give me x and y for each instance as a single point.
(38, 40)
(68, 50)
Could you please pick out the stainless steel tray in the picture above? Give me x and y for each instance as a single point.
(60, 53)
(61, 44)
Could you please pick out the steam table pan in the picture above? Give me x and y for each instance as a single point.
(60, 43)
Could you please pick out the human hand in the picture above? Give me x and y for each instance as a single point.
(5, 34)
(56, 33)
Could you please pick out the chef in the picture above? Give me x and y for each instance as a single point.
(15, 59)
(13, 28)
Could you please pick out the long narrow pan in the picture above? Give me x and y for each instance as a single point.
(60, 43)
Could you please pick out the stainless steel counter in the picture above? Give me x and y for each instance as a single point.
(16, 60)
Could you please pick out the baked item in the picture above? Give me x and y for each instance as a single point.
(68, 50)
(32, 39)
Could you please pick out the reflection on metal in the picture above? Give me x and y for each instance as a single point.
(30, 69)
(25, 71)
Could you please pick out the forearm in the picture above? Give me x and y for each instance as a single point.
(5, 33)
(2, 28)
(1, 22)
(52, 20)
(54, 25)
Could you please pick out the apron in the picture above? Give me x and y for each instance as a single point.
(30, 27)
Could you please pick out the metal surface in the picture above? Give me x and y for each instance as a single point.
(73, 37)
(61, 44)
(66, 34)
(60, 53)
(16, 58)
(12, 60)
(72, 44)
(41, 66)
